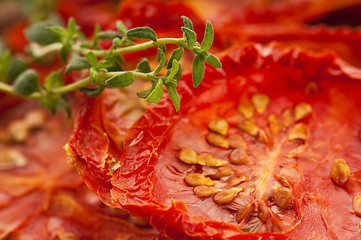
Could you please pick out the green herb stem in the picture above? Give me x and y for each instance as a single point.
(72, 87)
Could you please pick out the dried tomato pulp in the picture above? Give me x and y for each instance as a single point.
(269, 146)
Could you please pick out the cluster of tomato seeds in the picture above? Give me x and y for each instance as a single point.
(226, 181)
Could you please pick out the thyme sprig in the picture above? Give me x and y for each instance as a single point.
(105, 65)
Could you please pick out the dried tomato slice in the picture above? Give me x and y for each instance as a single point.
(41, 196)
(270, 145)
(343, 41)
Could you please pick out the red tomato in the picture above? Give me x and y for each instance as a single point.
(41, 196)
(342, 40)
(266, 148)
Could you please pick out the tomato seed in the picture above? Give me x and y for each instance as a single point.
(340, 172)
(34, 119)
(189, 156)
(219, 126)
(299, 132)
(283, 180)
(11, 159)
(197, 179)
(211, 161)
(301, 111)
(287, 117)
(222, 172)
(217, 140)
(226, 196)
(262, 137)
(244, 212)
(18, 131)
(283, 197)
(263, 211)
(357, 205)
(239, 157)
(205, 191)
(237, 141)
(260, 101)
(249, 126)
(274, 124)
(246, 109)
(236, 180)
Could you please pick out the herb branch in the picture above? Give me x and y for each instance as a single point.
(104, 65)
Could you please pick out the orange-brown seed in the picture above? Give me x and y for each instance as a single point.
(283, 197)
(246, 109)
(357, 205)
(217, 140)
(260, 101)
(249, 126)
(302, 110)
(239, 157)
(219, 125)
(287, 117)
(35, 119)
(340, 172)
(243, 212)
(283, 180)
(211, 161)
(189, 156)
(197, 179)
(226, 196)
(299, 132)
(236, 180)
(11, 159)
(18, 130)
(205, 191)
(237, 141)
(263, 211)
(222, 172)
(274, 124)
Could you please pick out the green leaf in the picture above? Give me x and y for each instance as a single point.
(72, 27)
(191, 37)
(58, 31)
(16, 66)
(145, 94)
(111, 63)
(53, 80)
(121, 27)
(208, 37)
(64, 52)
(41, 34)
(174, 70)
(197, 70)
(178, 76)
(176, 55)
(143, 66)
(213, 61)
(77, 64)
(92, 59)
(157, 93)
(173, 94)
(104, 35)
(142, 33)
(93, 92)
(26, 83)
(187, 22)
(161, 62)
(159, 54)
(120, 80)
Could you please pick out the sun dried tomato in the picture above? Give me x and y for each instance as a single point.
(266, 148)
(41, 196)
(343, 41)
